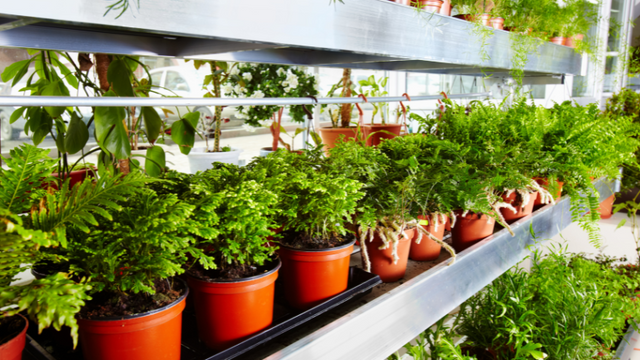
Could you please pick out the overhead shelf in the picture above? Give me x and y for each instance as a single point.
(396, 313)
(367, 34)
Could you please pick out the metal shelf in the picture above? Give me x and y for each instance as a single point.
(383, 325)
(368, 34)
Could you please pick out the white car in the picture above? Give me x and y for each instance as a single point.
(186, 81)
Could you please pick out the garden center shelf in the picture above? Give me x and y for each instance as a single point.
(367, 34)
(393, 314)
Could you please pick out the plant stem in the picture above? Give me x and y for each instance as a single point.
(346, 92)
(218, 114)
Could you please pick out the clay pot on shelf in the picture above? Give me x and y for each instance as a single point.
(331, 135)
(155, 334)
(509, 215)
(382, 260)
(470, 229)
(427, 250)
(606, 207)
(228, 312)
(558, 40)
(445, 9)
(403, 2)
(497, 23)
(572, 41)
(431, 5)
(313, 276)
(485, 19)
(545, 184)
(375, 133)
(12, 349)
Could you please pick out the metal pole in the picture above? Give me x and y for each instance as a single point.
(195, 102)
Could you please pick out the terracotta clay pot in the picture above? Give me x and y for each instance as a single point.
(485, 19)
(331, 135)
(497, 23)
(12, 349)
(382, 260)
(76, 176)
(447, 224)
(545, 183)
(427, 250)
(558, 40)
(313, 276)
(431, 5)
(155, 334)
(445, 9)
(470, 229)
(403, 2)
(509, 215)
(573, 40)
(230, 311)
(606, 207)
(375, 133)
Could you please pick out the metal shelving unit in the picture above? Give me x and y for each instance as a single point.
(367, 34)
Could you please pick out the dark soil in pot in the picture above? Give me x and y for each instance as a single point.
(42, 270)
(106, 304)
(478, 353)
(228, 273)
(297, 240)
(10, 327)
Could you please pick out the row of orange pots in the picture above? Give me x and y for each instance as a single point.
(373, 134)
(435, 6)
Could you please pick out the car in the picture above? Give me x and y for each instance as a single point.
(186, 81)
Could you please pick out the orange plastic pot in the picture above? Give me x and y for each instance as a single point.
(403, 2)
(12, 349)
(375, 133)
(313, 276)
(427, 250)
(431, 5)
(470, 229)
(509, 215)
(466, 17)
(230, 311)
(445, 9)
(382, 260)
(573, 40)
(606, 207)
(330, 136)
(558, 40)
(154, 334)
(545, 184)
(485, 19)
(497, 23)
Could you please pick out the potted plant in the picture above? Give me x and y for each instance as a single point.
(52, 300)
(130, 262)
(232, 279)
(270, 81)
(315, 202)
(374, 133)
(340, 115)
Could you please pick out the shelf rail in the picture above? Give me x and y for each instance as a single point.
(195, 102)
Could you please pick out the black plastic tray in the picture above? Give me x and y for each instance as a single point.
(285, 318)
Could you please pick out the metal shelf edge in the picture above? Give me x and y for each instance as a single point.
(384, 325)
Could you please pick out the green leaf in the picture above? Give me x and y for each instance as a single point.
(183, 133)
(117, 142)
(17, 114)
(77, 134)
(152, 123)
(193, 118)
(15, 71)
(298, 131)
(132, 63)
(55, 88)
(119, 75)
(621, 224)
(155, 162)
(223, 65)
(317, 139)
(68, 76)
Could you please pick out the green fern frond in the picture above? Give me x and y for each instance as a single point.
(28, 168)
(78, 205)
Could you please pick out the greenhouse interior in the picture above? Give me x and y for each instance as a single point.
(345, 179)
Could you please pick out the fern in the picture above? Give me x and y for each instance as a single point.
(78, 205)
(28, 168)
(584, 211)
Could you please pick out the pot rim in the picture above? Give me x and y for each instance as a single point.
(150, 312)
(23, 330)
(195, 151)
(382, 125)
(329, 128)
(320, 250)
(279, 264)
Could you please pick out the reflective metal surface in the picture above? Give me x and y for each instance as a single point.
(195, 102)
(370, 34)
(385, 324)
